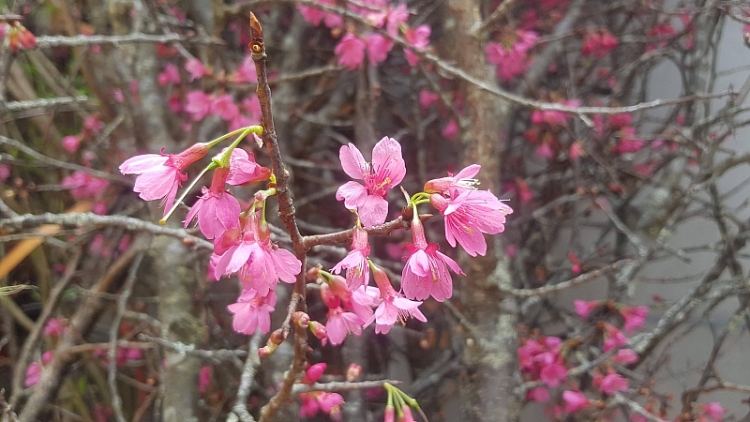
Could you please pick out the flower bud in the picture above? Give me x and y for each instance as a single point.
(301, 319)
(339, 287)
(266, 351)
(318, 330)
(330, 299)
(313, 373)
(353, 372)
(277, 337)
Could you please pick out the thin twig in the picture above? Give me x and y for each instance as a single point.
(246, 381)
(45, 103)
(83, 40)
(114, 331)
(341, 386)
(189, 349)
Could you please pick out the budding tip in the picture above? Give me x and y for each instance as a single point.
(163, 222)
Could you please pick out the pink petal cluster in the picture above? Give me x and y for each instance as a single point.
(320, 401)
(246, 72)
(542, 359)
(315, 16)
(159, 175)
(426, 272)
(386, 171)
(196, 69)
(378, 47)
(243, 169)
(217, 211)
(392, 306)
(252, 312)
(355, 262)
(170, 75)
(575, 401)
(584, 308)
(197, 105)
(248, 251)
(513, 61)
(351, 51)
(468, 212)
(71, 143)
(613, 383)
(598, 43)
(551, 117)
(84, 186)
(634, 317)
(714, 410)
(418, 37)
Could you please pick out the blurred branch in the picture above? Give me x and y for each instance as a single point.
(45, 103)
(246, 381)
(83, 40)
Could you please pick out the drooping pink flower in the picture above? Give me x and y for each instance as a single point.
(539, 394)
(386, 171)
(313, 402)
(159, 176)
(246, 72)
(553, 374)
(426, 272)
(217, 210)
(626, 356)
(575, 401)
(510, 63)
(396, 16)
(613, 383)
(196, 69)
(393, 306)
(340, 324)
(427, 98)
(419, 38)
(463, 180)
(634, 317)
(244, 169)
(92, 125)
(378, 47)
(198, 105)
(355, 262)
(71, 143)
(224, 107)
(351, 51)
(316, 16)
(252, 312)
(249, 252)
(170, 75)
(84, 186)
(584, 308)
(714, 410)
(314, 372)
(470, 214)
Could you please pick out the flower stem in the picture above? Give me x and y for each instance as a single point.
(163, 221)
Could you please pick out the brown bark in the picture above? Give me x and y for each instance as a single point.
(493, 369)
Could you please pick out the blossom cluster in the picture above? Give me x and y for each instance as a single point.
(353, 47)
(16, 36)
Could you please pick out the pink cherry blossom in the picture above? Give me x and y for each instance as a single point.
(71, 143)
(584, 308)
(355, 262)
(252, 312)
(450, 131)
(470, 214)
(84, 186)
(396, 16)
(314, 372)
(393, 306)
(463, 180)
(510, 63)
(54, 327)
(316, 16)
(246, 72)
(626, 356)
(576, 150)
(196, 69)
(240, 121)
(351, 51)
(217, 210)
(386, 171)
(634, 317)
(426, 272)
(224, 107)
(249, 252)
(613, 383)
(198, 105)
(243, 169)
(419, 38)
(427, 98)
(92, 124)
(378, 47)
(328, 403)
(340, 324)
(628, 142)
(714, 410)
(575, 401)
(553, 374)
(170, 75)
(617, 121)
(159, 176)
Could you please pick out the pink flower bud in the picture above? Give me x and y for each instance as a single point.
(318, 330)
(266, 351)
(301, 319)
(353, 372)
(314, 372)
